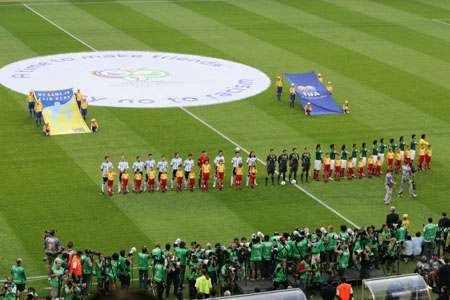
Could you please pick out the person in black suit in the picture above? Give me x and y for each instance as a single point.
(328, 292)
(392, 218)
(444, 220)
(444, 274)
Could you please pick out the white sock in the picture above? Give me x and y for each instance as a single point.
(132, 186)
(157, 186)
(118, 187)
(103, 187)
(171, 184)
(215, 180)
(145, 186)
(185, 184)
(232, 177)
(247, 180)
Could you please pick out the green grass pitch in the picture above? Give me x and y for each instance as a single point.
(389, 59)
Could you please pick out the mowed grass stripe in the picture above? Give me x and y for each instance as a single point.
(296, 15)
(438, 3)
(382, 29)
(396, 16)
(357, 67)
(426, 9)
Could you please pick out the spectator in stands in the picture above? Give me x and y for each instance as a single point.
(392, 218)
(328, 292)
(417, 244)
(443, 274)
(344, 291)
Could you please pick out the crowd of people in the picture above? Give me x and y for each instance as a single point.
(35, 109)
(306, 255)
(335, 164)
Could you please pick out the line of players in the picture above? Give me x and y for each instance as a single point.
(373, 159)
(156, 176)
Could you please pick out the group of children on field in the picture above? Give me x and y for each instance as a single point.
(35, 109)
(372, 159)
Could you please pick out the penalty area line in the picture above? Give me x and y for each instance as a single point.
(207, 125)
(264, 163)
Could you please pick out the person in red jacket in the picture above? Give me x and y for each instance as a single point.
(200, 161)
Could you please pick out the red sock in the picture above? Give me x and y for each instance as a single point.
(207, 185)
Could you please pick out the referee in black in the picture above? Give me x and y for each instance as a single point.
(306, 163)
(282, 165)
(271, 162)
(293, 164)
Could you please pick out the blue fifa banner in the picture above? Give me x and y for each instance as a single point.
(61, 111)
(309, 89)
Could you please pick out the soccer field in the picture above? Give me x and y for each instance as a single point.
(389, 59)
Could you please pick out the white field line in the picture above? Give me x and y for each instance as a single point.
(107, 2)
(213, 129)
(442, 22)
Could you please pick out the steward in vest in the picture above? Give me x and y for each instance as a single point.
(72, 291)
(19, 276)
(279, 276)
(56, 275)
(226, 277)
(9, 289)
(159, 277)
(203, 283)
(344, 291)
(75, 268)
(143, 267)
(305, 272)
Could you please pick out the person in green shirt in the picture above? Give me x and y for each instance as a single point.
(19, 277)
(367, 259)
(280, 275)
(382, 147)
(32, 293)
(113, 272)
(86, 277)
(56, 275)
(330, 246)
(159, 277)
(124, 270)
(100, 272)
(181, 253)
(316, 276)
(193, 274)
(364, 153)
(157, 253)
(355, 152)
(72, 291)
(344, 258)
(372, 242)
(413, 145)
(266, 247)
(385, 239)
(143, 267)
(305, 272)
(318, 162)
(344, 155)
(226, 277)
(333, 153)
(282, 249)
(234, 255)
(173, 273)
(392, 145)
(9, 289)
(428, 238)
(401, 145)
(400, 232)
(256, 258)
(441, 236)
(392, 259)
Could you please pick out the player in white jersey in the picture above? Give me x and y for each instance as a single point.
(250, 160)
(138, 165)
(150, 162)
(235, 161)
(188, 166)
(123, 165)
(175, 163)
(218, 158)
(162, 165)
(105, 168)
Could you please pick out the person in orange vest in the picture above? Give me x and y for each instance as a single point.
(344, 291)
(75, 267)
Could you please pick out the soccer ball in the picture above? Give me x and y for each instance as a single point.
(294, 181)
(283, 182)
(237, 149)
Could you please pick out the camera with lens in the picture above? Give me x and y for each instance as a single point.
(399, 243)
(89, 251)
(244, 245)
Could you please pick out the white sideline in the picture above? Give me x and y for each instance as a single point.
(210, 127)
(442, 22)
(108, 2)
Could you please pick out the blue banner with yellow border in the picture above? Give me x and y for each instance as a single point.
(61, 111)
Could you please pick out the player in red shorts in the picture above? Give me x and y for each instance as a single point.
(253, 171)
(326, 167)
(360, 168)
(220, 174)
(390, 159)
(163, 178)
(239, 173)
(378, 165)
(200, 162)
(191, 180)
(206, 171)
(179, 174)
(422, 153)
(337, 167)
(370, 164)
(350, 169)
(110, 175)
(125, 177)
(151, 179)
(398, 161)
(137, 181)
(428, 158)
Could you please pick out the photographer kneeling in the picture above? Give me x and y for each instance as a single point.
(392, 256)
(9, 289)
(72, 291)
(226, 277)
(280, 275)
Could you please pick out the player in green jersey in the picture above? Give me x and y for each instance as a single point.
(318, 162)
(392, 144)
(344, 154)
(413, 145)
(333, 153)
(402, 145)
